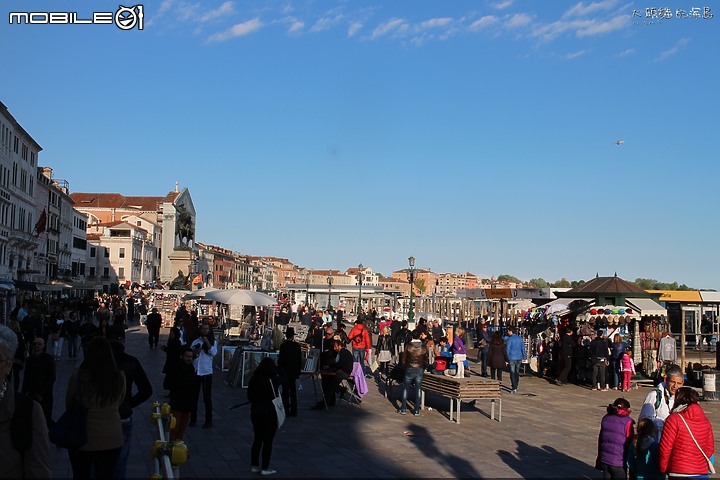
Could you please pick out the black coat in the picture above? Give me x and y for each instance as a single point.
(384, 342)
(261, 393)
(39, 375)
(290, 359)
(497, 355)
(182, 383)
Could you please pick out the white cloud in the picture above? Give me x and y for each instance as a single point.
(502, 5)
(354, 28)
(165, 6)
(518, 20)
(238, 30)
(434, 23)
(296, 27)
(571, 56)
(626, 53)
(396, 25)
(483, 22)
(679, 46)
(599, 28)
(325, 23)
(580, 10)
(223, 10)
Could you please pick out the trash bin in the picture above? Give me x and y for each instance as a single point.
(711, 385)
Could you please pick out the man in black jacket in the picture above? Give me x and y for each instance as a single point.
(153, 324)
(134, 374)
(183, 385)
(599, 353)
(567, 345)
(40, 378)
(334, 373)
(290, 365)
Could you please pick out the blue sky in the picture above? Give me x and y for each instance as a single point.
(475, 135)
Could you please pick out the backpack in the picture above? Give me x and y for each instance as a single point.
(21, 426)
(659, 398)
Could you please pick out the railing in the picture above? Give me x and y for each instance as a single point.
(167, 456)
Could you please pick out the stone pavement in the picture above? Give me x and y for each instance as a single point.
(546, 432)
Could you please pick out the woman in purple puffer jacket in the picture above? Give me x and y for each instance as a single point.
(616, 434)
(459, 352)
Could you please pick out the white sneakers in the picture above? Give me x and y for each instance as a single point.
(255, 469)
(262, 472)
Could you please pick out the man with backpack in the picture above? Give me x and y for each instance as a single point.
(659, 403)
(23, 432)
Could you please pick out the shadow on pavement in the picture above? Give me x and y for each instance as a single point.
(425, 443)
(531, 461)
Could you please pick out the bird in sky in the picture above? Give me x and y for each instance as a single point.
(619, 142)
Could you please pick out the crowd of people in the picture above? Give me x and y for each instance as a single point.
(672, 437)
(672, 434)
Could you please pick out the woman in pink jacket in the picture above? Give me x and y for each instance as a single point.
(680, 455)
(628, 369)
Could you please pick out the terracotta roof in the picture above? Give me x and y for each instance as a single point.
(93, 236)
(606, 285)
(116, 200)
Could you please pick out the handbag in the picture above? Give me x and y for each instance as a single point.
(711, 468)
(384, 356)
(70, 430)
(279, 407)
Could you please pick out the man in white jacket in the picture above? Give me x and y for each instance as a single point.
(205, 348)
(659, 403)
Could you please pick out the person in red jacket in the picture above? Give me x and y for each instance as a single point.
(361, 344)
(678, 452)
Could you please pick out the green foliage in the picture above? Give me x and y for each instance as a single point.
(562, 283)
(652, 284)
(420, 285)
(539, 283)
(576, 283)
(508, 278)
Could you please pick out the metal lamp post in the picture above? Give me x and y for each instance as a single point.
(307, 292)
(411, 279)
(360, 279)
(330, 281)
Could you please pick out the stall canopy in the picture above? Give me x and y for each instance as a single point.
(646, 306)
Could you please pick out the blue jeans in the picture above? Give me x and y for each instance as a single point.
(515, 373)
(483, 360)
(121, 466)
(615, 373)
(359, 357)
(416, 375)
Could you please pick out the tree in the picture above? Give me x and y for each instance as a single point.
(420, 284)
(577, 283)
(508, 278)
(562, 283)
(380, 275)
(539, 283)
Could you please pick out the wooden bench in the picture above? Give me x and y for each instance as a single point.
(463, 389)
(397, 375)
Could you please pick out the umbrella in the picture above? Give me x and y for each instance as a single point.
(199, 293)
(239, 296)
(556, 307)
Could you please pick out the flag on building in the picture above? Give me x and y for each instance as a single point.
(197, 279)
(40, 225)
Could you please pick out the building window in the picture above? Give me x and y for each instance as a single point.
(106, 272)
(121, 253)
(92, 271)
(121, 272)
(107, 252)
(92, 252)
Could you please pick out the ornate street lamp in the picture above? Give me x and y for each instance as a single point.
(360, 280)
(411, 279)
(330, 281)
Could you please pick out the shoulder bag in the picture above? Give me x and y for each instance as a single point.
(279, 408)
(70, 430)
(711, 468)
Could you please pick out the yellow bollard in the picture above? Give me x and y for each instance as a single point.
(179, 453)
(165, 409)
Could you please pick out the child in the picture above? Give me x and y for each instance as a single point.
(642, 458)
(616, 435)
(628, 369)
(459, 352)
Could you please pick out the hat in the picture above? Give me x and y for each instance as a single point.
(289, 332)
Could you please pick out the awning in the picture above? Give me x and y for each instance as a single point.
(646, 306)
(44, 287)
(710, 297)
(689, 296)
